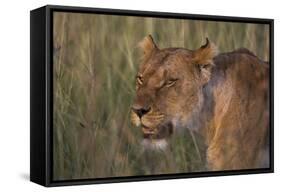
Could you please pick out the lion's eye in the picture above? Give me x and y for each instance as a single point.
(139, 80)
(170, 82)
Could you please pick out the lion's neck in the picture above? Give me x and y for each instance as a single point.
(194, 122)
(202, 116)
(216, 96)
(213, 103)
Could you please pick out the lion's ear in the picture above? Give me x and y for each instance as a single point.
(203, 58)
(147, 46)
(205, 53)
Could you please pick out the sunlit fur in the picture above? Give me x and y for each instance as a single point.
(223, 97)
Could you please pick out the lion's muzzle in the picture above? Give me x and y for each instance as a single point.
(153, 124)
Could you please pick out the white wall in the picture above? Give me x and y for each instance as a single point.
(14, 94)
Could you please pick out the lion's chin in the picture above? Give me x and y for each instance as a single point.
(155, 144)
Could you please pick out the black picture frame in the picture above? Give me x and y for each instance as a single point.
(41, 90)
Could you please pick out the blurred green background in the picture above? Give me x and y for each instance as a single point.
(95, 63)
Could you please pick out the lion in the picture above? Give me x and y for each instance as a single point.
(224, 97)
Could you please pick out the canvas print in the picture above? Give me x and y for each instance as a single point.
(136, 96)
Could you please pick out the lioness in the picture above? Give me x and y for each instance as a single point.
(224, 97)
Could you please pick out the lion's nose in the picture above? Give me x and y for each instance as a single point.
(140, 111)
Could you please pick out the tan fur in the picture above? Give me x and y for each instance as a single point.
(224, 97)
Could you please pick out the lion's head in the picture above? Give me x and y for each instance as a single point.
(169, 89)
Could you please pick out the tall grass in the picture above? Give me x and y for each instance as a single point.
(95, 62)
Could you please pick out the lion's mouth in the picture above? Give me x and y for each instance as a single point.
(148, 132)
(153, 127)
(160, 132)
